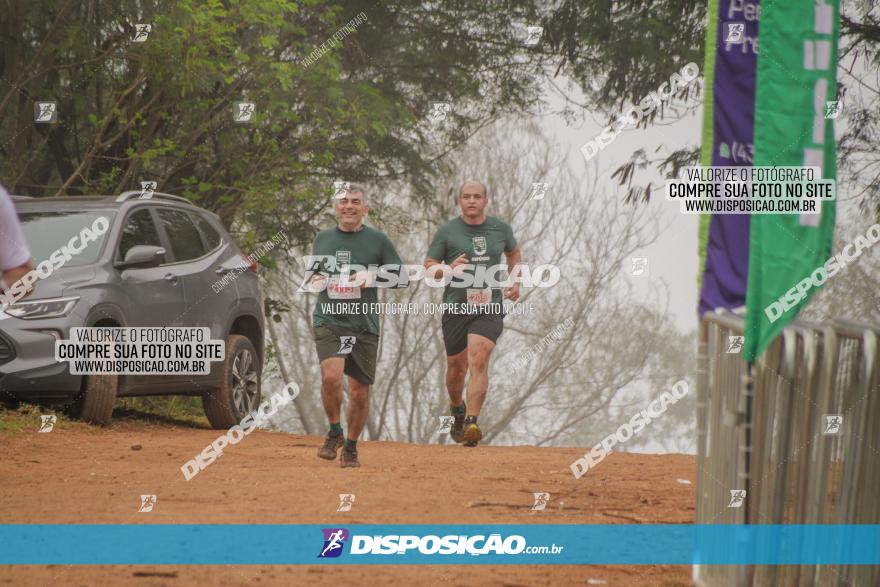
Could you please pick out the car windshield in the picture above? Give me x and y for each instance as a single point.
(66, 232)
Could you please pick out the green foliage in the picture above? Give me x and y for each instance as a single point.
(334, 100)
(163, 109)
(620, 51)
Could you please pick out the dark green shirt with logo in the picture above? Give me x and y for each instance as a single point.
(351, 308)
(482, 243)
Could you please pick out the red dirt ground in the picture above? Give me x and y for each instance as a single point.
(92, 475)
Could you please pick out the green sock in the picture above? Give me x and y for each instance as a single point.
(458, 410)
(351, 444)
(336, 429)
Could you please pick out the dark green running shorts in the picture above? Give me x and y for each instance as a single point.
(359, 350)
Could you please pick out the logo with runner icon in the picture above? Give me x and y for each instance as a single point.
(142, 32)
(346, 500)
(334, 541)
(147, 503)
(346, 344)
(735, 344)
(737, 498)
(541, 501)
(446, 423)
(47, 422)
(479, 243)
(735, 32)
(45, 112)
(833, 423)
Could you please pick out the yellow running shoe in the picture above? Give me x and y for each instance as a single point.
(472, 435)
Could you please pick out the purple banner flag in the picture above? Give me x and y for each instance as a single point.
(733, 101)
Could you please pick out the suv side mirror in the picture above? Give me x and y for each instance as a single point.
(142, 257)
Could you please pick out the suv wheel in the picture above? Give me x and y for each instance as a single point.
(95, 403)
(239, 393)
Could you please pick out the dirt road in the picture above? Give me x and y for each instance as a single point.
(80, 474)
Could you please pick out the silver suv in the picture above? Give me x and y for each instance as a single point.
(160, 261)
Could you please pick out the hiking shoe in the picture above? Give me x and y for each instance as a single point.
(456, 432)
(349, 458)
(331, 445)
(472, 435)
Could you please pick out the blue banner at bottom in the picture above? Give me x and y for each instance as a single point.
(521, 544)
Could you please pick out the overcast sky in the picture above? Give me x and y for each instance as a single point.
(673, 257)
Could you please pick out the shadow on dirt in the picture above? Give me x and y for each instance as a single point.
(125, 415)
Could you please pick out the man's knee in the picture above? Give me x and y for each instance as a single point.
(480, 364)
(358, 393)
(331, 377)
(478, 358)
(457, 366)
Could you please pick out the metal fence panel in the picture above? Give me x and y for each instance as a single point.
(800, 434)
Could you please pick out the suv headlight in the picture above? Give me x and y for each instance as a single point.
(47, 308)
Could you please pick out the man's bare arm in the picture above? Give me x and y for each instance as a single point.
(10, 276)
(514, 260)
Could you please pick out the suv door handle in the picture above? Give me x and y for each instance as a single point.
(170, 277)
(221, 270)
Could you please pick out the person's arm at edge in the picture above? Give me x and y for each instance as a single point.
(514, 260)
(21, 264)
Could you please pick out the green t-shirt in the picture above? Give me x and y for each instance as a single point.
(349, 307)
(482, 243)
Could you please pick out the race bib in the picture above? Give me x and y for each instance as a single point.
(338, 291)
(478, 297)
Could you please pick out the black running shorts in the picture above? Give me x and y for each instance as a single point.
(358, 349)
(456, 328)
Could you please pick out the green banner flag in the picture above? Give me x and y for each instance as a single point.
(708, 141)
(796, 81)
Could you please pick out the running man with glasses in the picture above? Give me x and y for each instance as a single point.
(345, 323)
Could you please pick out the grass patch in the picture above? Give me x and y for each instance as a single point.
(162, 411)
(26, 418)
(180, 410)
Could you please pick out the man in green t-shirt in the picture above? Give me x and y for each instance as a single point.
(473, 316)
(346, 321)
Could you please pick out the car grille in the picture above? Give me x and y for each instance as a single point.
(7, 351)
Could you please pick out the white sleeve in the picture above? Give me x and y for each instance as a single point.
(13, 250)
